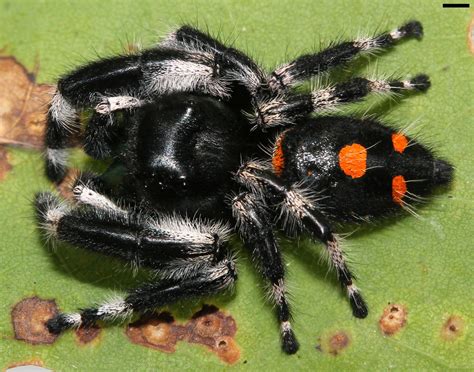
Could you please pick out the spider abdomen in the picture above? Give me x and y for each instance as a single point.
(363, 168)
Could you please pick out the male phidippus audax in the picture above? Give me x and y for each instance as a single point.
(183, 125)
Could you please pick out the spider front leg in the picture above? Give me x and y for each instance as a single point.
(122, 83)
(235, 65)
(308, 65)
(286, 109)
(255, 227)
(99, 86)
(300, 207)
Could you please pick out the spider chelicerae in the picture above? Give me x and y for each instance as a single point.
(183, 125)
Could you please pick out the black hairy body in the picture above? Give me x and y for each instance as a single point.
(184, 124)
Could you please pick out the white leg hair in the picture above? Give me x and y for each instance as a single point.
(63, 112)
(57, 157)
(171, 76)
(86, 195)
(111, 104)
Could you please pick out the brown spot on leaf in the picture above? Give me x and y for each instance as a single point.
(214, 329)
(86, 335)
(470, 36)
(156, 331)
(338, 342)
(333, 343)
(453, 328)
(393, 319)
(23, 105)
(29, 317)
(209, 327)
(5, 165)
(227, 349)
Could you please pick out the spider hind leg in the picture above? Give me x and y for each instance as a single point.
(303, 212)
(255, 227)
(146, 298)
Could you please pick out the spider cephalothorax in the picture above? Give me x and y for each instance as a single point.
(184, 123)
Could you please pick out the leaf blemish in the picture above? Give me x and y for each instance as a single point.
(394, 317)
(453, 328)
(87, 335)
(5, 165)
(24, 105)
(29, 318)
(158, 332)
(334, 343)
(338, 342)
(209, 327)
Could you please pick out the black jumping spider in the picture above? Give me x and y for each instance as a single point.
(182, 122)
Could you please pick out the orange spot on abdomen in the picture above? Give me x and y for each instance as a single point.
(353, 160)
(399, 189)
(399, 142)
(278, 159)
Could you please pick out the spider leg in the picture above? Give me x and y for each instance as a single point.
(305, 66)
(87, 190)
(210, 279)
(189, 256)
(300, 207)
(191, 38)
(122, 83)
(236, 66)
(99, 136)
(169, 244)
(286, 109)
(256, 230)
(101, 86)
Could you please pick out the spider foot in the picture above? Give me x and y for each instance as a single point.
(420, 82)
(289, 343)
(62, 322)
(412, 28)
(359, 307)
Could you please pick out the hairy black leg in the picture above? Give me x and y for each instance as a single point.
(83, 88)
(88, 190)
(62, 123)
(255, 227)
(208, 280)
(189, 37)
(99, 136)
(300, 207)
(102, 131)
(286, 109)
(165, 243)
(121, 83)
(308, 65)
(235, 65)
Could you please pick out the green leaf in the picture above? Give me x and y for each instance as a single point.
(424, 264)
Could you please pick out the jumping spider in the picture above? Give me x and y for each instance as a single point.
(183, 123)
